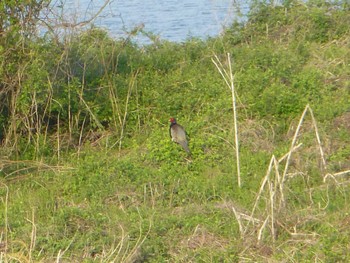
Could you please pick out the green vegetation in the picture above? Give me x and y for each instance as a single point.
(88, 171)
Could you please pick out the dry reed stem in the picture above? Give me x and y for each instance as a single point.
(238, 218)
(341, 173)
(275, 185)
(301, 120)
(229, 80)
(334, 175)
(120, 244)
(278, 182)
(289, 152)
(262, 187)
(275, 193)
(81, 136)
(6, 223)
(33, 235)
(61, 253)
(272, 192)
(131, 86)
(317, 137)
(29, 165)
(98, 123)
(133, 255)
(260, 232)
(293, 143)
(122, 251)
(58, 138)
(115, 105)
(36, 164)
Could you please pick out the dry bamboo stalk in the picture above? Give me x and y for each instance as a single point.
(293, 143)
(61, 253)
(317, 137)
(262, 229)
(235, 121)
(275, 198)
(97, 122)
(238, 218)
(81, 136)
(279, 182)
(229, 80)
(33, 235)
(6, 222)
(289, 152)
(335, 174)
(272, 209)
(342, 173)
(292, 147)
(135, 250)
(248, 217)
(131, 86)
(262, 186)
(58, 137)
(121, 242)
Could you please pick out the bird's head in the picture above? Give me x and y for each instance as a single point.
(172, 120)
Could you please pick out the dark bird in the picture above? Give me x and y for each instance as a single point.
(178, 134)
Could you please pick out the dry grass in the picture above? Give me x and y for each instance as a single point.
(265, 226)
(202, 238)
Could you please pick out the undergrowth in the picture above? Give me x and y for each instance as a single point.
(89, 173)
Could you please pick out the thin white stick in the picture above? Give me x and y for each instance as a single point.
(229, 80)
(335, 174)
(60, 254)
(293, 143)
(318, 138)
(272, 208)
(286, 155)
(342, 173)
(6, 222)
(235, 121)
(307, 108)
(238, 218)
(262, 228)
(58, 137)
(33, 235)
(262, 186)
(278, 181)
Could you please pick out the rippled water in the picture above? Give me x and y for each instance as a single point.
(173, 20)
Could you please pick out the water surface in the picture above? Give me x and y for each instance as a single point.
(173, 20)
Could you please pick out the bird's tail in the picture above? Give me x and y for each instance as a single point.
(185, 146)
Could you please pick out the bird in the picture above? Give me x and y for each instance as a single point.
(178, 134)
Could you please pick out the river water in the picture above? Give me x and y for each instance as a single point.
(172, 20)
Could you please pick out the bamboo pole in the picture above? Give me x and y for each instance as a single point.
(229, 80)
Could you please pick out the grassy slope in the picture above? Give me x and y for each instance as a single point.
(147, 202)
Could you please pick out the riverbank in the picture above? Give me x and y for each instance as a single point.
(89, 172)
